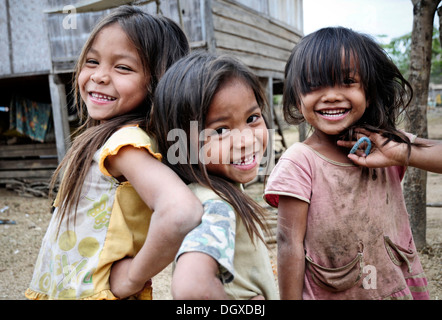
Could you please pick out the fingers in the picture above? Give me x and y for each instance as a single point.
(346, 144)
(357, 146)
(359, 133)
(358, 160)
(375, 138)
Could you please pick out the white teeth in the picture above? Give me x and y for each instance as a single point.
(102, 97)
(333, 113)
(244, 162)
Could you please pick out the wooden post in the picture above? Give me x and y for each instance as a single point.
(415, 181)
(60, 115)
(267, 84)
(208, 33)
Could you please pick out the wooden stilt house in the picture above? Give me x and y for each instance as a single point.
(41, 40)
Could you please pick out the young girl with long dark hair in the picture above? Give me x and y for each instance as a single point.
(208, 120)
(114, 198)
(343, 230)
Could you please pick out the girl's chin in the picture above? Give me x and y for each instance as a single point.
(246, 177)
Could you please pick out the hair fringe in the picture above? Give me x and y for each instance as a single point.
(324, 58)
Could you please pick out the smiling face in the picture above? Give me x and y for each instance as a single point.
(112, 81)
(333, 109)
(237, 134)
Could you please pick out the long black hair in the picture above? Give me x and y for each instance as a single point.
(159, 42)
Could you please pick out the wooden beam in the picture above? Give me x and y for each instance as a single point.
(60, 114)
(28, 164)
(267, 84)
(27, 150)
(27, 174)
(208, 34)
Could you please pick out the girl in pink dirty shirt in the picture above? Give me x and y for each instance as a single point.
(343, 229)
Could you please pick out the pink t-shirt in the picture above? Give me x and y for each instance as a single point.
(358, 241)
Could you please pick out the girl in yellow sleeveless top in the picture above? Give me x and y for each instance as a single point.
(114, 198)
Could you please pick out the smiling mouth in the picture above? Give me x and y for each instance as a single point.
(101, 97)
(333, 114)
(244, 162)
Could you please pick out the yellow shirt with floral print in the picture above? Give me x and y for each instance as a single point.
(111, 223)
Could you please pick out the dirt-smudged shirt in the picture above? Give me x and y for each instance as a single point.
(358, 242)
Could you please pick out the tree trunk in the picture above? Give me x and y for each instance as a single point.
(420, 64)
(439, 13)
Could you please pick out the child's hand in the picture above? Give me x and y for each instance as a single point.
(120, 283)
(391, 154)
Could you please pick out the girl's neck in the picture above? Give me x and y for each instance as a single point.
(327, 146)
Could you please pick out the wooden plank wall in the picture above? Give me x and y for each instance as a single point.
(5, 31)
(261, 43)
(32, 161)
(188, 14)
(66, 44)
(23, 40)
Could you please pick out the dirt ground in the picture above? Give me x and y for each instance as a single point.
(20, 242)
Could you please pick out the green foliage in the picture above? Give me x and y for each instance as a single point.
(399, 51)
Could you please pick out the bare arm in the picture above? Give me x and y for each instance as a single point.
(292, 224)
(197, 271)
(195, 278)
(176, 212)
(427, 156)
